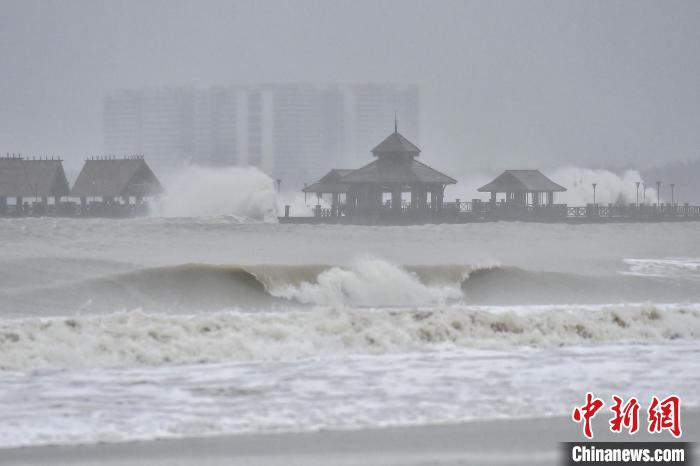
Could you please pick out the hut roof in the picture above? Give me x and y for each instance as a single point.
(397, 171)
(329, 182)
(32, 178)
(513, 181)
(396, 143)
(115, 178)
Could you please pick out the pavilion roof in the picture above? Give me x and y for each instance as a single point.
(329, 183)
(514, 181)
(397, 171)
(396, 143)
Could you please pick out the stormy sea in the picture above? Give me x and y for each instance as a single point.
(161, 327)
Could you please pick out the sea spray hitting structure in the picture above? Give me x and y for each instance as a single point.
(374, 194)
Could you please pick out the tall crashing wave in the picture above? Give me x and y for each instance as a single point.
(245, 193)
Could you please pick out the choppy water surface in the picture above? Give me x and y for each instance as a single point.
(115, 330)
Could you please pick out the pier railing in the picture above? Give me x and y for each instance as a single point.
(477, 210)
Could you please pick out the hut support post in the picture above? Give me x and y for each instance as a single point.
(3, 206)
(19, 205)
(83, 205)
(550, 198)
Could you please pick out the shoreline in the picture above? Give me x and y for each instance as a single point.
(488, 442)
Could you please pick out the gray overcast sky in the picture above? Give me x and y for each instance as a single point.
(517, 83)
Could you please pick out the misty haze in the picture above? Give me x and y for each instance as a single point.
(346, 232)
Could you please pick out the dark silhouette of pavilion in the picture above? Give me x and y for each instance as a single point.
(395, 171)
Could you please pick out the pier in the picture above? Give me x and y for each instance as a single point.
(374, 195)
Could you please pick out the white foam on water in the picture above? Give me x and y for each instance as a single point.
(137, 338)
(111, 405)
(370, 281)
(678, 267)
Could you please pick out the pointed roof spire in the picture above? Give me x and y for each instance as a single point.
(396, 123)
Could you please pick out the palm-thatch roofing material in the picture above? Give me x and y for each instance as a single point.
(32, 178)
(518, 181)
(116, 178)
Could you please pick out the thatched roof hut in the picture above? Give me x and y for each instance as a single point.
(113, 178)
(38, 178)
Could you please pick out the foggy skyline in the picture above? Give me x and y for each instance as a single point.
(503, 84)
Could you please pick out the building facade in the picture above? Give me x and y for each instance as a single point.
(293, 132)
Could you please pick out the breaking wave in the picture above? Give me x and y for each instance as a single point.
(365, 282)
(139, 338)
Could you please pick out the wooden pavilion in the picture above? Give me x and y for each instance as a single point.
(523, 188)
(394, 172)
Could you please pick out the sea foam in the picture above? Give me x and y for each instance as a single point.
(136, 338)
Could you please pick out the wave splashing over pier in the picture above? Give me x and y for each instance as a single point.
(245, 193)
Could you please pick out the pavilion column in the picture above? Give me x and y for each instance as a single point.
(83, 205)
(396, 199)
(493, 198)
(440, 198)
(550, 198)
(376, 199)
(414, 197)
(335, 205)
(20, 205)
(535, 199)
(3, 205)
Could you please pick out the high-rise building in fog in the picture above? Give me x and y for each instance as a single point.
(294, 132)
(157, 122)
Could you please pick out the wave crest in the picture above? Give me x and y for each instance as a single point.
(138, 338)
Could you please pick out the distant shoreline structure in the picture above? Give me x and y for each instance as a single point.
(373, 195)
(106, 187)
